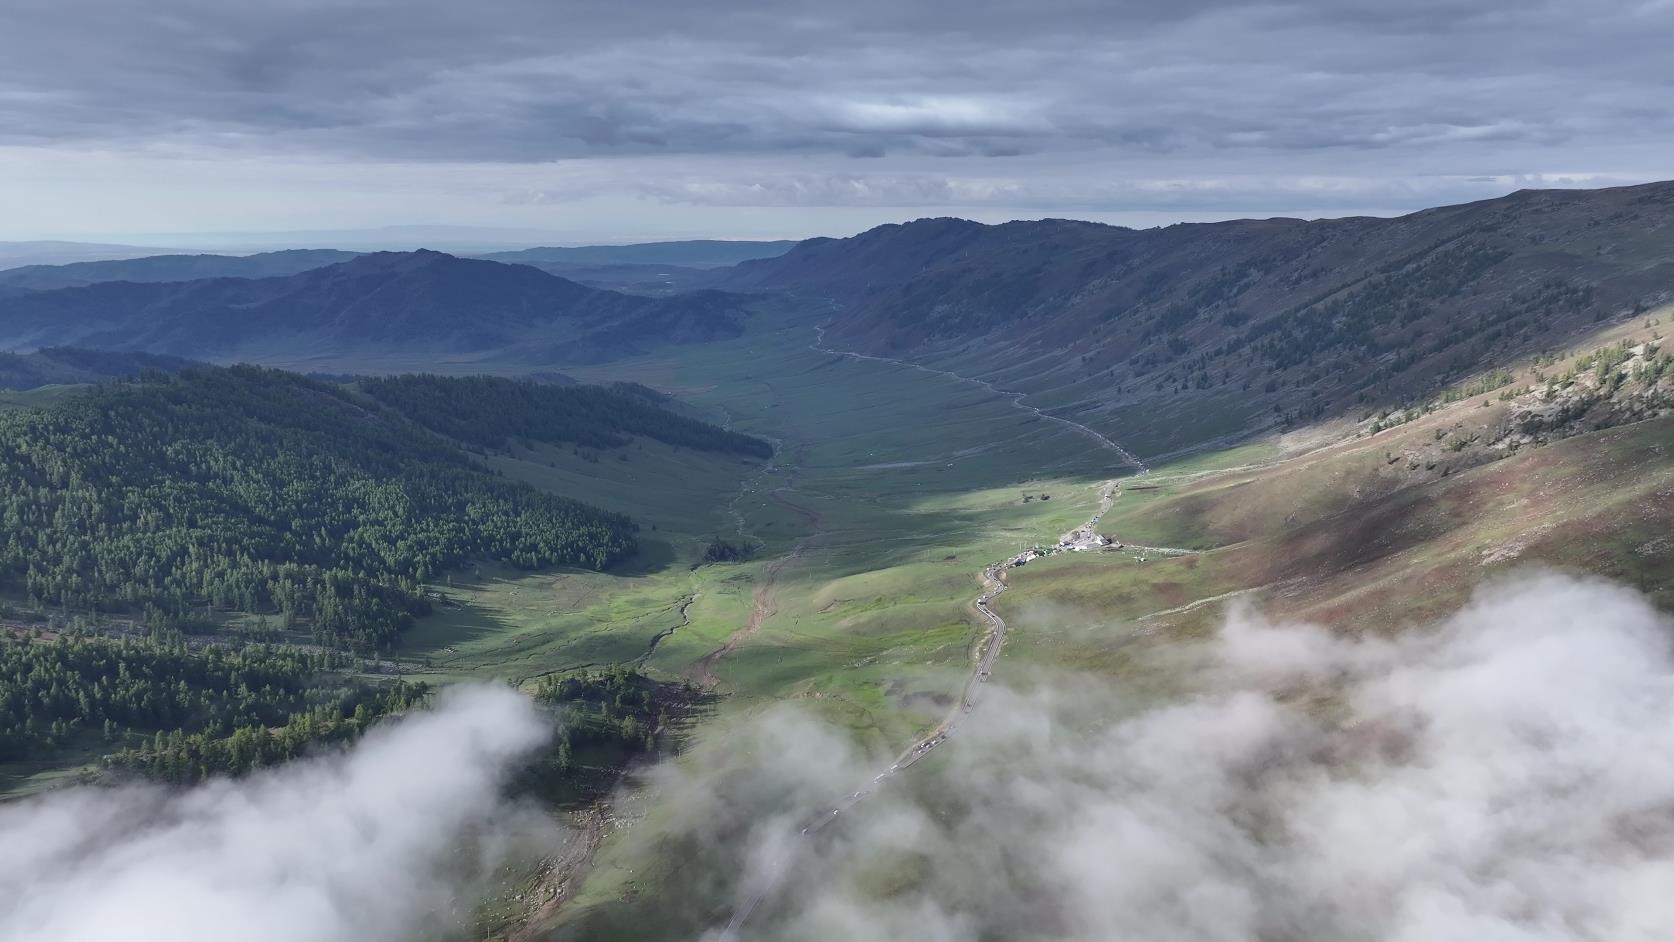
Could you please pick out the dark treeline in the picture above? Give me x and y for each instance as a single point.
(244, 489)
(182, 758)
(619, 708)
(178, 713)
(721, 550)
(491, 413)
(52, 691)
(607, 718)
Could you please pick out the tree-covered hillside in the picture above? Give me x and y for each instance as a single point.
(491, 412)
(251, 490)
(68, 365)
(69, 689)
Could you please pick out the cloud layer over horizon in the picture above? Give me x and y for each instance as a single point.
(802, 118)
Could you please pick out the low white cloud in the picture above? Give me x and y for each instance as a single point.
(1505, 774)
(383, 842)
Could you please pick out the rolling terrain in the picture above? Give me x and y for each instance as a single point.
(1374, 528)
(1170, 338)
(878, 495)
(222, 526)
(1379, 530)
(374, 305)
(155, 268)
(58, 252)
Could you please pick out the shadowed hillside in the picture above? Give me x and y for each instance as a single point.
(67, 365)
(1193, 332)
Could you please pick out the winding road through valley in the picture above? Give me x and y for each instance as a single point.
(759, 886)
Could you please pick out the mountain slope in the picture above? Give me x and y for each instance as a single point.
(1178, 335)
(171, 268)
(242, 489)
(385, 301)
(652, 280)
(60, 365)
(492, 412)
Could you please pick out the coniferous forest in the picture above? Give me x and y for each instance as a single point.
(244, 489)
(172, 501)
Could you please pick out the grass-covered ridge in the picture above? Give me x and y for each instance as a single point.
(244, 489)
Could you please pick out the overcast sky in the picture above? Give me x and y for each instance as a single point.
(611, 120)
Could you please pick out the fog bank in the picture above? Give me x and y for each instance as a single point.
(1506, 774)
(359, 847)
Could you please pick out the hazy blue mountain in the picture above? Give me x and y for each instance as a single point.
(50, 252)
(693, 253)
(384, 301)
(171, 268)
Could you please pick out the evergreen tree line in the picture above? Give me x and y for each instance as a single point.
(181, 758)
(611, 715)
(57, 691)
(491, 413)
(180, 714)
(618, 710)
(245, 489)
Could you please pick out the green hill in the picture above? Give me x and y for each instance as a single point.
(178, 498)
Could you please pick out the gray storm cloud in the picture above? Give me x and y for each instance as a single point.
(1506, 774)
(366, 846)
(522, 80)
(706, 118)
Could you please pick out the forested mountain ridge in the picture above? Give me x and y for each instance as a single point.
(156, 268)
(243, 489)
(1257, 322)
(383, 302)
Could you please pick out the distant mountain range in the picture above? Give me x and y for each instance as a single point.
(384, 301)
(13, 254)
(650, 268)
(157, 268)
(695, 253)
(1173, 335)
(1253, 322)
